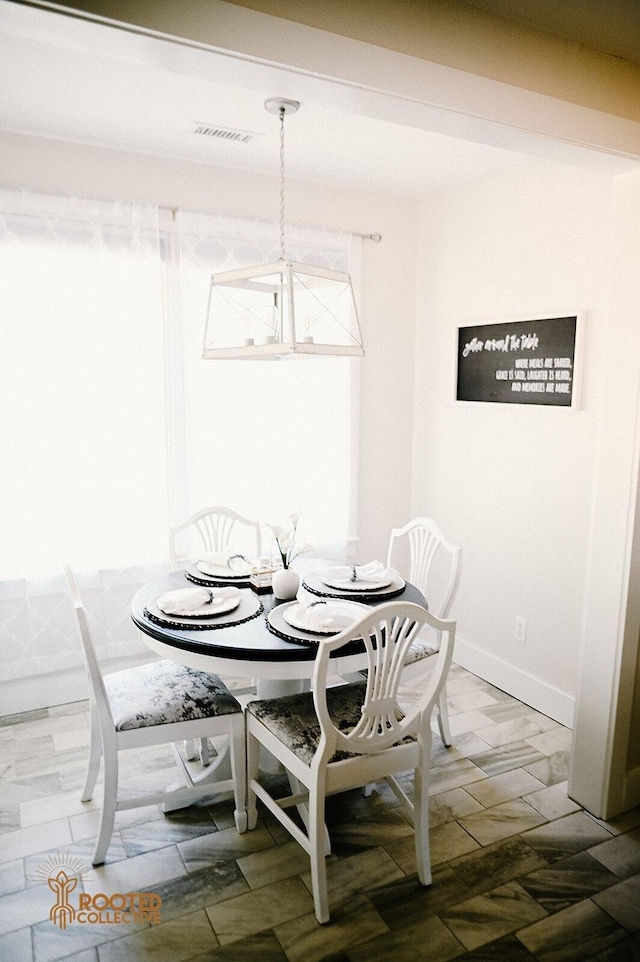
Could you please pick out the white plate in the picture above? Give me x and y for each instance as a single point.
(223, 571)
(294, 615)
(345, 584)
(204, 611)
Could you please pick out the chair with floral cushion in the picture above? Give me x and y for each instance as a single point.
(155, 704)
(435, 566)
(334, 739)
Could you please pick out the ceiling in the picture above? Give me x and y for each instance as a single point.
(610, 26)
(74, 81)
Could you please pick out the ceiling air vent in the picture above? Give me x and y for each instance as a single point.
(224, 133)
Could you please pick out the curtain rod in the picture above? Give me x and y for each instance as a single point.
(376, 238)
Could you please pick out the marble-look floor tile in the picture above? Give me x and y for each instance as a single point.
(404, 901)
(219, 882)
(52, 944)
(553, 801)
(12, 877)
(487, 917)
(16, 946)
(272, 864)
(620, 854)
(505, 758)
(501, 821)
(71, 739)
(566, 836)
(455, 775)
(622, 902)
(574, 935)
(263, 947)
(448, 806)
(37, 838)
(490, 867)
(466, 745)
(550, 742)
(200, 852)
(503, 788)
(567, 881)
(347, 877)
(506, 949)
(167, 829)
(400, 944)
(259, 910)
(470, 701)
(174, 941)
(40, 810)
(9, 821)
(138, 874)
(550, 770)
(357, 835)
(446, 842)
(626, 950)
(506, 710)
(468, 721)
(513, 730)
(352, 922)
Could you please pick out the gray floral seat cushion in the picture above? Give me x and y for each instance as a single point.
(292, 718)
(420, 648)
(162, 693)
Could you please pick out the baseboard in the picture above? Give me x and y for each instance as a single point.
(527, 688)
(57, 687)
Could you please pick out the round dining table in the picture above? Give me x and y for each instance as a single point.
(277, 666)
(249, 649)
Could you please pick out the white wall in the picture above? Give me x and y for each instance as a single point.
(387, 305)
(512, 484)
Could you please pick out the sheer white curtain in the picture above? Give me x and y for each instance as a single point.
(82, 406)
(82, 388)
(113, 426)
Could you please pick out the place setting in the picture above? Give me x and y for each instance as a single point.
(220, 568)
(308, 619)
(349, 582)
(201, 608)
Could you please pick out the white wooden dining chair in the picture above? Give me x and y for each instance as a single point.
(435, 565)
(155, 704)
(215, 529)
(334, 739)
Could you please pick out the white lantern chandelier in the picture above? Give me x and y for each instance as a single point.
(284, 309)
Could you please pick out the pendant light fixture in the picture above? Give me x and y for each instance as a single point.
(283, 309)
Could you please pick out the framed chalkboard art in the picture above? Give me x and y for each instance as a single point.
(533, 361)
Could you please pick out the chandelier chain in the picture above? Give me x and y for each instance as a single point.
(282, 112)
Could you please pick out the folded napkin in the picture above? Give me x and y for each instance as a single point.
(189, 601)
(329, 615)
(373, 573)
(226, 559)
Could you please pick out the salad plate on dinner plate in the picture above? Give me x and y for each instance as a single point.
(323, 617)
(198, 602)
(232, 567)
(369, 577)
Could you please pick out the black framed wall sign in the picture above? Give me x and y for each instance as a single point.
(531, 361)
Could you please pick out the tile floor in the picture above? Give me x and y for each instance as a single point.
(521, 873)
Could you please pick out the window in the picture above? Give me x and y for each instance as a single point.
(113, 424)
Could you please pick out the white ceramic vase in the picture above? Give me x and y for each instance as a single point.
(285, 583)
